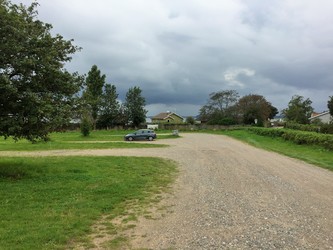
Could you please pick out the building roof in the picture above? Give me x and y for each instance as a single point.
(165, 115)
(316, 115)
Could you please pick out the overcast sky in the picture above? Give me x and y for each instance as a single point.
(180, 51)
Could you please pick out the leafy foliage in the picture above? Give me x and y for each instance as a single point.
(134, 107)
(110, 108)
(220, 108)
(85, 126)
(94, 91)
(330, 105)
(190, 120)
(299, 110)
(255, 107)
(36, 92)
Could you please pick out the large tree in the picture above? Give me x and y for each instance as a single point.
(135, 107)
(253, 108)
(93, 93)
(36, 92)
(110, 108)
(219, 108)
(299, 110)
(330, 105)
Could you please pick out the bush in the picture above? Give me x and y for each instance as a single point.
(302, 127)
(86, 126)
(326, 128)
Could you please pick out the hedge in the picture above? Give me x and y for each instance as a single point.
(298, 137)
(322, 128)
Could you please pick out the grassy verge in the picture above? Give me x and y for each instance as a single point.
(48, 202)
(311, 154)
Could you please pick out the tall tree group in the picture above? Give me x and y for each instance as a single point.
(100, 102)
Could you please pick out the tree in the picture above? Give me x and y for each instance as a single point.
(330, 105)
(299, 110)
(253, 108)
(218, 109)
(134, 107)
(190, 120)
(110, 107)
(273, 113)
(36, 92)
(93, 93)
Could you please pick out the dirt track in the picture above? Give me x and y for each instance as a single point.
(232, 196)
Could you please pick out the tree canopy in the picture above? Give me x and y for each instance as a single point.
(110, 107)
(134, 106)
(255, 108)
(219, 108)
(93, 93)
(330, 105)
(299, 110)
(36, 92)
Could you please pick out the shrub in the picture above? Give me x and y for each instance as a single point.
(326, 128)
(85, 126)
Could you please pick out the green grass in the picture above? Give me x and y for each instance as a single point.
(46, 203)
(101, 139)
(311, 154)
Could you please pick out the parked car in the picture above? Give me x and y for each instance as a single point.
(141, 134)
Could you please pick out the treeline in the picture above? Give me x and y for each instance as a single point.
(228, 108)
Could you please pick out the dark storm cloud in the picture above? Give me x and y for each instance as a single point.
(180, 51)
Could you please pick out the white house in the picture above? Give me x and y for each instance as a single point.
(324, 117)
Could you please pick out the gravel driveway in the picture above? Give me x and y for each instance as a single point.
(230, 195)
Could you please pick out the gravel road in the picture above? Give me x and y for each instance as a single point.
(230, 195)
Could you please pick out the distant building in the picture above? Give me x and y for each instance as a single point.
(167, 117)
(324, 117)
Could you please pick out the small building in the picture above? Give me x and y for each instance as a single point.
(167, 117)
(324, 117)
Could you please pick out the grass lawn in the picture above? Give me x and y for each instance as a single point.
(101, 139)
(311, 154)
(46, 203)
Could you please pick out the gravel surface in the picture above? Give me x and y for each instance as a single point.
(230, 195)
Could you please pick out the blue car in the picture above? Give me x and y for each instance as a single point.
(141, 134)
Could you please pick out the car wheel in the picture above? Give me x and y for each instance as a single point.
(130, 138)
(150, 138)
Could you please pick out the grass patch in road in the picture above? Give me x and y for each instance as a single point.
(101, 139)
(24, 145)
(102, 135)
(48, 202)
(311, 154)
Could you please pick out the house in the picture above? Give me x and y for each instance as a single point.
(324, 117)
(167, 117)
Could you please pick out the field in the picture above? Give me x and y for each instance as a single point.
(52, 202)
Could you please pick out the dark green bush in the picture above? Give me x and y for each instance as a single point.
(326, 128)
(86, 126)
